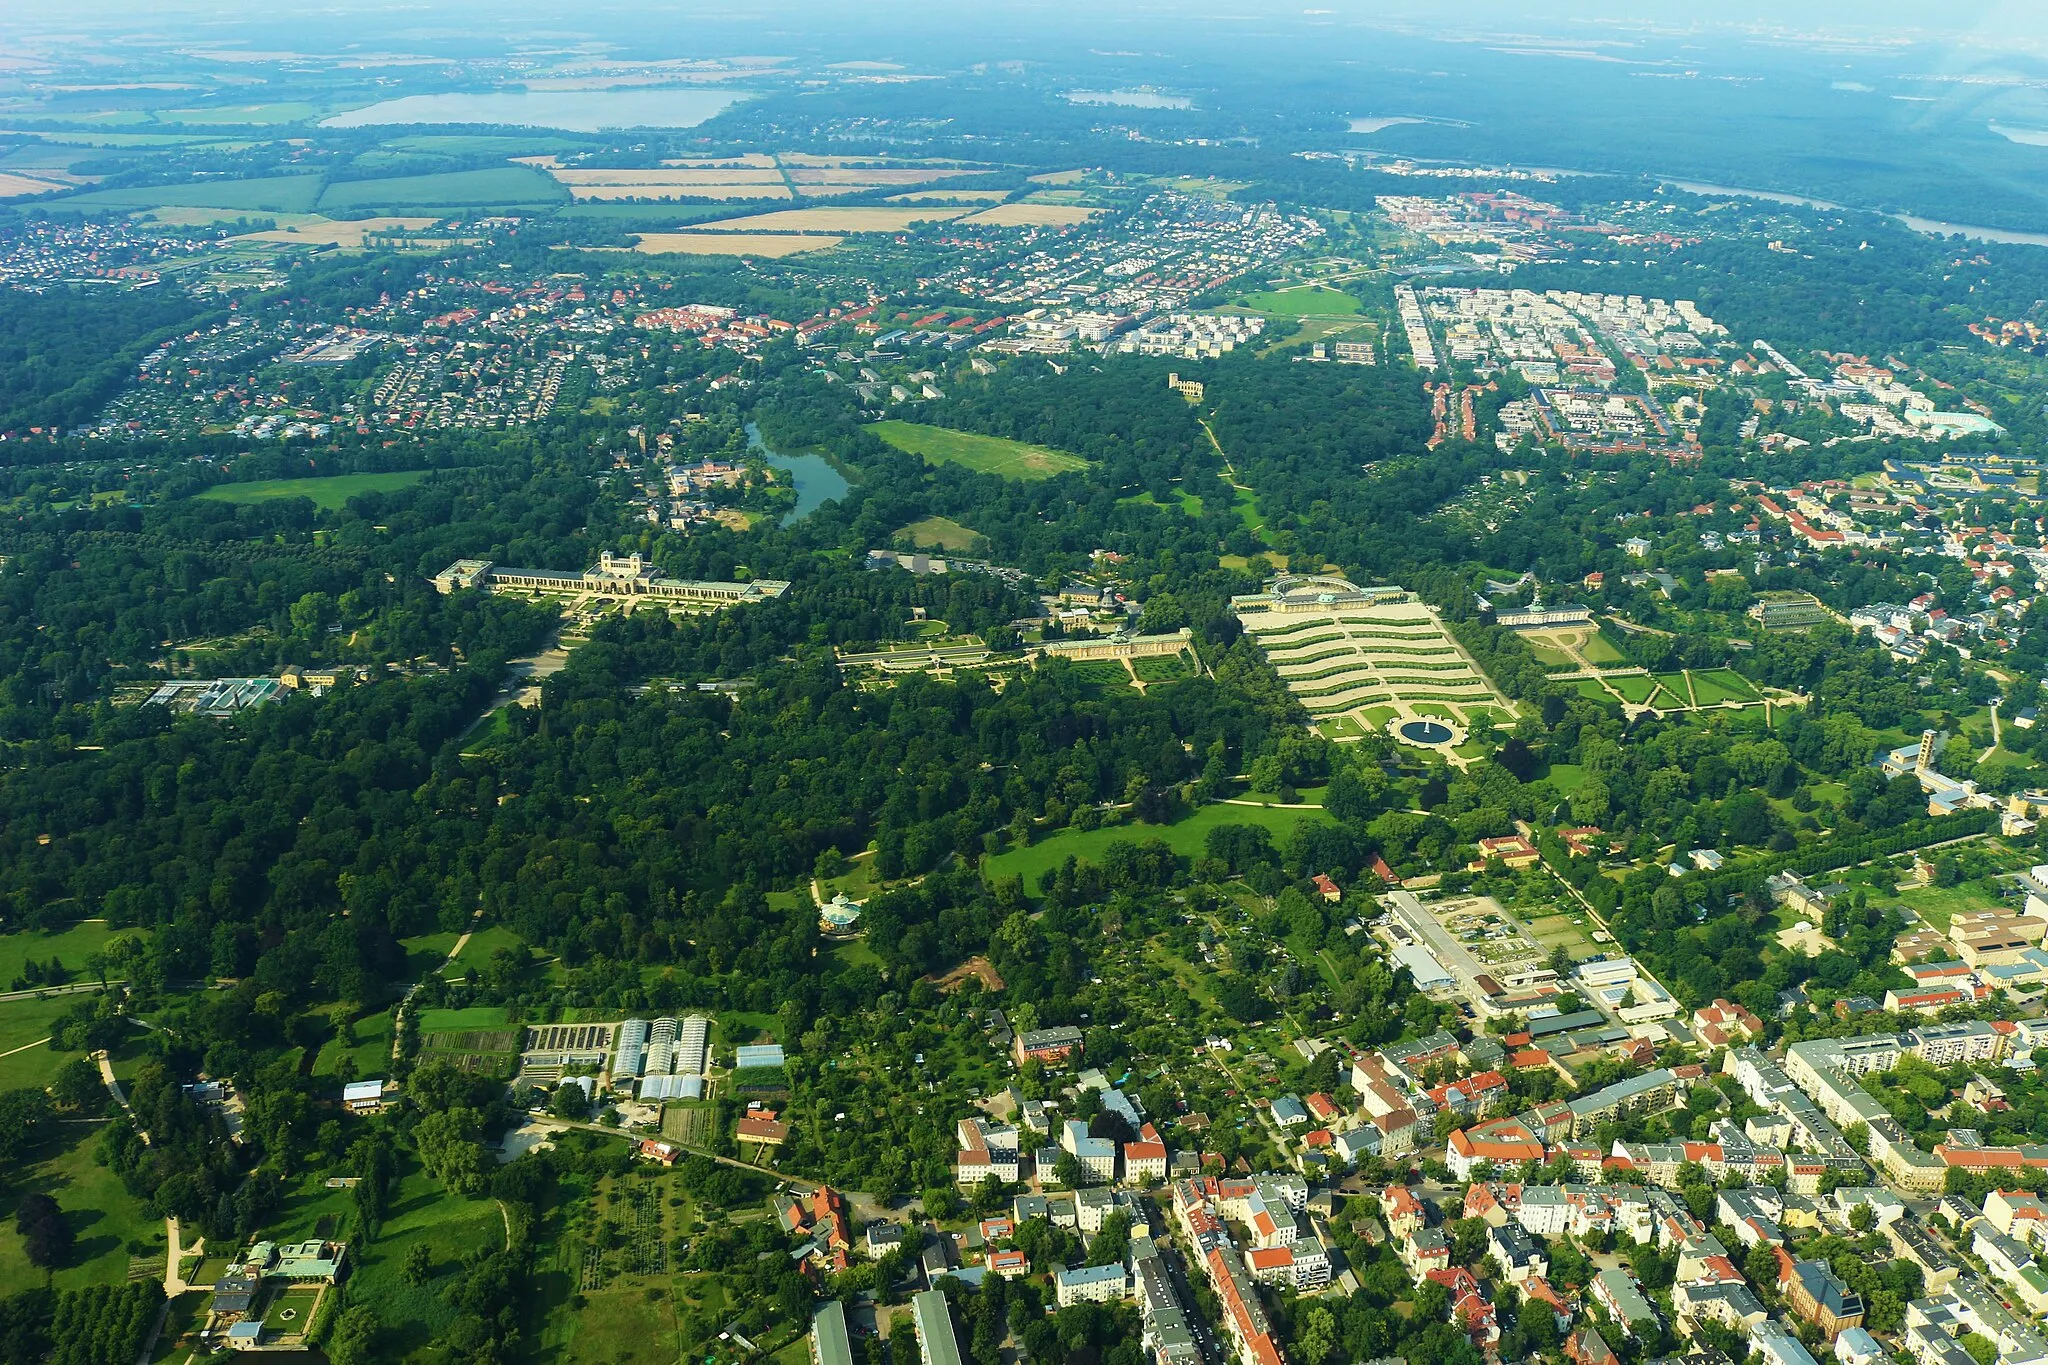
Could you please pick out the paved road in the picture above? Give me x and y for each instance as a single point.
(76, 988)
(120, 1096)
(563, 1125)
(397, 1035)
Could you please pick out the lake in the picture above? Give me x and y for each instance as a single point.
(576, 111)
(1131, 99)
(1932, 226)
(815, 480)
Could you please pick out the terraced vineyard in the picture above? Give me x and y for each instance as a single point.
(1354, 667)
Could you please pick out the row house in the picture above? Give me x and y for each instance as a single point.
(1303, 1266)
(1503, 1142)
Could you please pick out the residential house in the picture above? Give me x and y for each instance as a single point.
(1814, 1292)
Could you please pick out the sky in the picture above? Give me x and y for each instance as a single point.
(1974, 27)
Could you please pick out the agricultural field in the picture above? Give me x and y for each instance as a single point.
(985, 454)
(770, 245)
(854, 218)
(313, 230)
(1388, 660)
(1187, 837)
(274, 194)
(329, 494)
(1033, 215)
(950, 197)
(498, 185)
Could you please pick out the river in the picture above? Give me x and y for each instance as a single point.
(1932, 226)
(813, 476)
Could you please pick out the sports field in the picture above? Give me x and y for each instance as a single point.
(986, 454)
(1187, 837)
(328, 494)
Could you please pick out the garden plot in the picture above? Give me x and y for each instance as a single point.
(1357, 666)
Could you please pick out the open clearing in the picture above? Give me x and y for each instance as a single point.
(1187, 837)
(729, 244)
(329, 494)
(987, 454)
(1033, 215)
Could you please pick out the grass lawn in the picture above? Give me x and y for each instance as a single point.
(856, 954)
(1314, 301)
(329, 494)
(1939, 904)
(1184, 502)
(23, 1024)
(426, 952)
(1664, 699)
(1592, 690)
(986, 454)
(1187, 837)
(494, 727)
(1341, 727)
(940, 533)
(1721, 684)
(1599, 650)
(858, 883)
(69, 946)
(621, 1326)
(291, 1310)
(1376, 717)
(104, 1217)
(1306, 796)
(482, 945)
(1634, 687)
(1552, 657)
(1162, 668)
(422, 1212)
(736, 1028)
(1566, 777)
(372, 1050)
(186, 1312)
(473, 1019)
